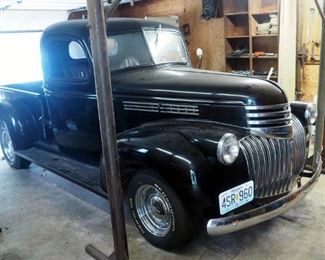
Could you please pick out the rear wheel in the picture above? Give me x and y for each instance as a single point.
(8, 149)
(158, 212)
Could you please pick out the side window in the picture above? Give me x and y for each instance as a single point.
(75, 51)
(67, 61)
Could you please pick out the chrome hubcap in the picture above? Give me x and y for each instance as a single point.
(6, 143)
(153, 210)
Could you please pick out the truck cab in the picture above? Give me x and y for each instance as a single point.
(195, 146)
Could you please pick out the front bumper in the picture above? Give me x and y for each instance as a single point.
(246, 219)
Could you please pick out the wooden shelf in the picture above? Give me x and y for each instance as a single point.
(237, 57)
(265, 35)
(265, 13)
(237, 14)
(263, 17)
(237, 37)
(241, 20)
(266, 57)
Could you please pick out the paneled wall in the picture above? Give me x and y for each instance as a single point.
(208, 35)
(309, 31)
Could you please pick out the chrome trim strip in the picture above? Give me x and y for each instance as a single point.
(141, 109)
(221, 226)
(285, 105)
(162, 108)
(268, 121)
(139, 103)
(9, 89)
(179, 109)
(268, 114)
(141, 106)
(270, 128)
(180, 113)
(176, 105)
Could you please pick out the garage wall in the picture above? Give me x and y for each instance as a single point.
(208, 35)
(20, 32)
(26, 20)
(309, 30)
(287, 47)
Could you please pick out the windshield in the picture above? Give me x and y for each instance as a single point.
(166, 46)
(130, 50)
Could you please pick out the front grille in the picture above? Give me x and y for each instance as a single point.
(299, 146)
(274, 164)
(272, 119)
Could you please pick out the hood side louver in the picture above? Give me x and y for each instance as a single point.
(180, 109)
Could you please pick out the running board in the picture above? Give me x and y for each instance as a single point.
(82, 174)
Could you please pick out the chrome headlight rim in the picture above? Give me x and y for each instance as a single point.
(222, 152)
(311, 113)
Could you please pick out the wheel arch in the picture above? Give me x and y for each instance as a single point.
(180, 176)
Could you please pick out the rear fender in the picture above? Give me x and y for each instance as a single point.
(20, 123)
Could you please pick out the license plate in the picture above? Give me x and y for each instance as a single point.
(236, 197)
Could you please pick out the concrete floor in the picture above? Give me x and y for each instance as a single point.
(46, 217)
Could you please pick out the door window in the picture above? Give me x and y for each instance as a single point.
(67, 61)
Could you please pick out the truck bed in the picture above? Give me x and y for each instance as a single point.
(29, 87)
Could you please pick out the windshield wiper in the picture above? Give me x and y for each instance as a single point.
(157, 36)
(173, 63)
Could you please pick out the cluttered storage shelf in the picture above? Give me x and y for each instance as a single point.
(252, 37)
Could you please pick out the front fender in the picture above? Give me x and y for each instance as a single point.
(184, 156)
(298, 109)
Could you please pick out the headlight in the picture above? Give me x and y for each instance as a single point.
(228, 149)
(311, 113)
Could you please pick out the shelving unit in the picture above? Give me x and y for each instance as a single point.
(241, 19)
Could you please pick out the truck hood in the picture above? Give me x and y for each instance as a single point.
(188, 83)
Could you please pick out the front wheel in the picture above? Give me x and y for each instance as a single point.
(8, 149)
(158, 212)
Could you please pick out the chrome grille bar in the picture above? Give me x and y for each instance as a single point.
(272, 120)
(299, 141)
(274, 164)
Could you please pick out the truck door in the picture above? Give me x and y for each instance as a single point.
(70, 93)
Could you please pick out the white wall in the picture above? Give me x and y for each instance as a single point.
(20, 59)
(287, 47)
(29, 20)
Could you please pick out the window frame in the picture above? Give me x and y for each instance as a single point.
(62, 80)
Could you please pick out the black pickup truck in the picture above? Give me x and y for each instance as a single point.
(195, 146)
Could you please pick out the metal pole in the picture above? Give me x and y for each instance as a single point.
(105, 105)
(96, 254)
(321, 91)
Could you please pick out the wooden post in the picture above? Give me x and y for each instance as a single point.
(98, 37)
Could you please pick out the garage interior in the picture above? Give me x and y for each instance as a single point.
(45, 216)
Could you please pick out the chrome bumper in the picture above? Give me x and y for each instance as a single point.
(246, 219)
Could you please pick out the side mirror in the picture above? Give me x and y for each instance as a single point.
(199, 53)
